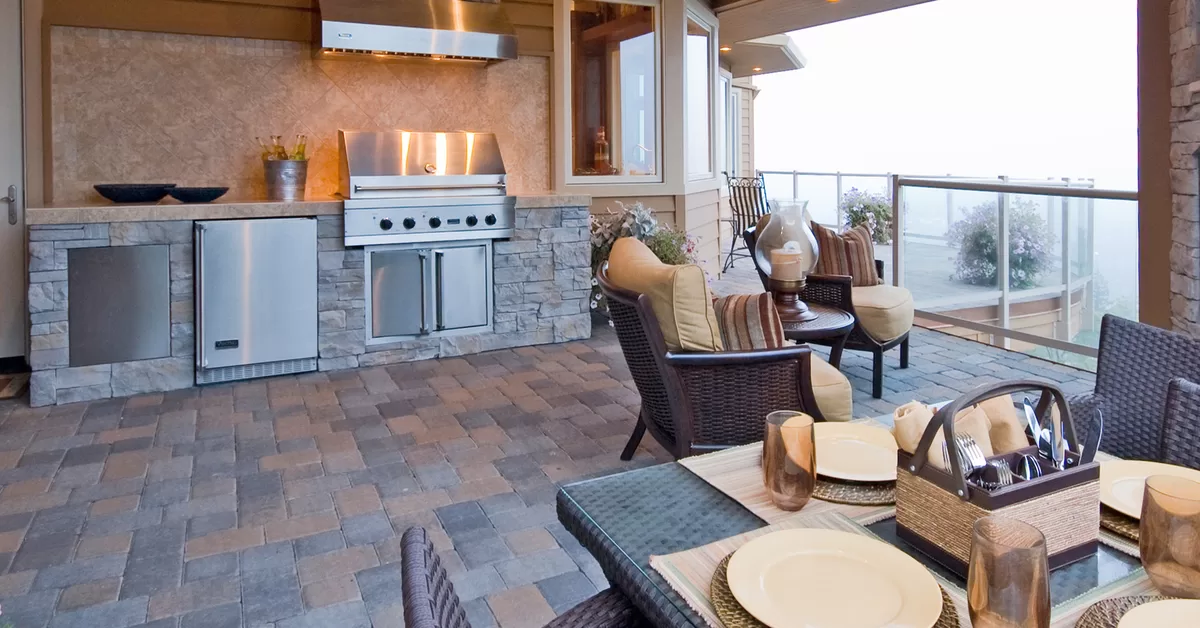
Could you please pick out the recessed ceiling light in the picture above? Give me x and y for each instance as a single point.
(757, 69)
(726, 48)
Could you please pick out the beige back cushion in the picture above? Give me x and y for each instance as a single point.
(678, 295)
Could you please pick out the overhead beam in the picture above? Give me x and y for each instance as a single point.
(751, 19)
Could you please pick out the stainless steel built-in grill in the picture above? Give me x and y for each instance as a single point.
(427, 207)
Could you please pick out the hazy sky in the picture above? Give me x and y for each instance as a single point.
(1026, 88)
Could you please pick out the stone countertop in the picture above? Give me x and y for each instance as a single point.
(170, 210)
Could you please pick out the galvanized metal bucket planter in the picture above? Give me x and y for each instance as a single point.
(286, 179)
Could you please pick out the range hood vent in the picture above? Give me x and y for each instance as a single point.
(471, 30)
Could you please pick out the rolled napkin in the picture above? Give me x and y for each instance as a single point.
(1006, 428)
(911, 419)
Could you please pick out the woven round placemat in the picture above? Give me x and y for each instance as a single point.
(1108, 613)
(856, 493)
(734, 616)
(1120, 524)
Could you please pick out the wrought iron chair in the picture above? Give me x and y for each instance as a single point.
(430, 601)
(699, 402)
(837, 291)
(748, 202)
(1135, 367)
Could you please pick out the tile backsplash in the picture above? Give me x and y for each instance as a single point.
(153, 107)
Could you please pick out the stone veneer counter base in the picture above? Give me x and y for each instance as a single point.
(542, 288)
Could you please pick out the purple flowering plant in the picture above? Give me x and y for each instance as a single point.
(874, 210)
(1029, 243)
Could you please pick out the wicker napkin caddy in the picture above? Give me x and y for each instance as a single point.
(936, 510)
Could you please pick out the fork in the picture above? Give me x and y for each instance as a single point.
(970, 452)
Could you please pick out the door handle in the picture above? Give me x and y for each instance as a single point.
(198, 278)
(424, 326)
(437, 287)
(11, 199)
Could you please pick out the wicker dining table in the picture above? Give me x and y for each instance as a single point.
(626, 518)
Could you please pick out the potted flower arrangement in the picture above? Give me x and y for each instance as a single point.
(874, 210)
(670, 245)
(975, 237)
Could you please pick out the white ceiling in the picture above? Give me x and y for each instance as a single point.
(751, 19)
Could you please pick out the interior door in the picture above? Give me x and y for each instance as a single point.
(462, 290)
(12, 224)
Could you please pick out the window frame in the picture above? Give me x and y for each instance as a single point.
(707, 20)
(564, 162)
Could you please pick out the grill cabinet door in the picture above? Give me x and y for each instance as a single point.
(460, 275)
(399, 299)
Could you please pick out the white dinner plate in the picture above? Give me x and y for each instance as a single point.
(855, 452)
(1123, 482)
(1163, 614)
(816, 578)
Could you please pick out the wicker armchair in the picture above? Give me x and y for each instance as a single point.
(835, 290)
(1181, 424)
(1136, 363)
(699, 402)
(430, 602)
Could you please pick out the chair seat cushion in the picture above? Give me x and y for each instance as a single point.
(834, 395)
(678, 295)
(885, 312)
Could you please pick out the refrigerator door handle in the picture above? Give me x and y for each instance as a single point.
(201, 349)
(437, 283)
(424, 325)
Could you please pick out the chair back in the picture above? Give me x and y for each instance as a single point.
(428, 597)
(1181, 424)
(1136, 364)
(747, 201)
(642, 344)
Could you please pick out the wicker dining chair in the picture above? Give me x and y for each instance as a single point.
(1134, 367)
(697, 402)
(430, 601)
(1180, 442)
(748, 203)
(838, 291)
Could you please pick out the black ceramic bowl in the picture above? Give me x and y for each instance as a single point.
(134, 192)
(197, 195)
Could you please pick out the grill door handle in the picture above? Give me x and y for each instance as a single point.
(437, 286)
(424, 326)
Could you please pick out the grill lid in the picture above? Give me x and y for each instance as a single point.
(381, 164)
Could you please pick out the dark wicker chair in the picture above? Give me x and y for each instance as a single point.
(699, 402)
(835, 290)
(1181, 424)
(747, 203)
(1135, 365)
(430, 602)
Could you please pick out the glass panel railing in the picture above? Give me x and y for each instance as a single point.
(1029, 267)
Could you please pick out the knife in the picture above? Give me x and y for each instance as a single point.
(1093, 440)
(1032, 428)
(1058, 441)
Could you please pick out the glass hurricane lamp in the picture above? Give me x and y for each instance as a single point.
(786, 251)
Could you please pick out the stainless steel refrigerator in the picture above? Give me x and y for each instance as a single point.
(256, 298)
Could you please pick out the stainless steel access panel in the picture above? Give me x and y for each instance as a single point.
(256, 298)
(419, 290)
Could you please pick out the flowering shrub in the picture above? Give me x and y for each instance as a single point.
(1029, 244)
(670, 245)
(874, 210)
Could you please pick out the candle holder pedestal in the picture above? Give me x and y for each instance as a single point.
(787, 300)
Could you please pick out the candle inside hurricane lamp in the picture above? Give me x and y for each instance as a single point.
(787, 263)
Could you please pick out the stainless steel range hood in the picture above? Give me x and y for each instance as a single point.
(438, 29)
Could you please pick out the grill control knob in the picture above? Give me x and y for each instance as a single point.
(472, 221)
(385, 224)
(435, 222)
(490, 219)
(409, 223)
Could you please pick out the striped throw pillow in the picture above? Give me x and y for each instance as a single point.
(851, 253)
(749, 321)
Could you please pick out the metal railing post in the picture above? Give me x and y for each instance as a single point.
(1066, 328)
(1089, 300)
(897, 230)
(1002, 263)
(838, 201)
(795, 186)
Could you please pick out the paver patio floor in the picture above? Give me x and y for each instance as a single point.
(281, 502)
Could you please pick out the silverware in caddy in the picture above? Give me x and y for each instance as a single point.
(996, 475)
(1028, 467)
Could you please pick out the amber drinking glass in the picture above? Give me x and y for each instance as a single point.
(1170, 535)
(789, 459)
(1008, 579)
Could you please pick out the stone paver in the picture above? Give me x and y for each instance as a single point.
(281, 502)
